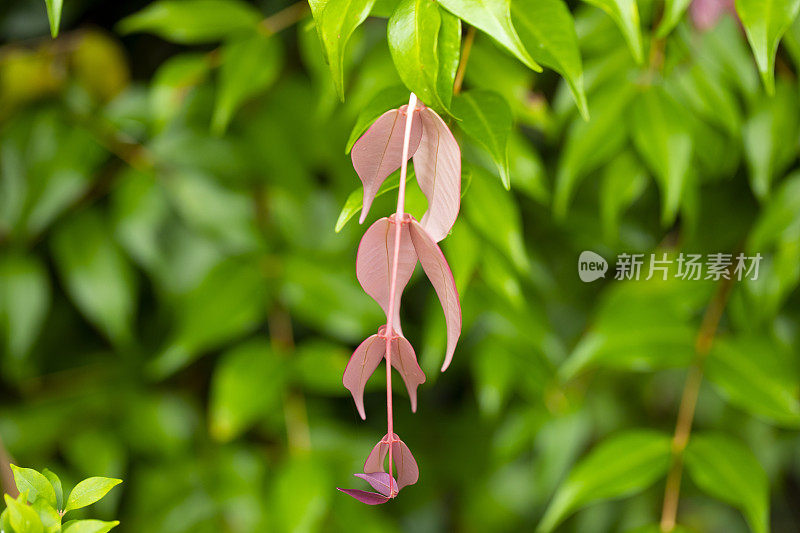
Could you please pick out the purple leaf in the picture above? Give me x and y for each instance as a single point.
(404, 360)
(370, 498)
(362, 364)
(438, 271)
(706, 13)
(437, 164)
(374, 264)
(380, 481)
(404, 463)
(379, 152)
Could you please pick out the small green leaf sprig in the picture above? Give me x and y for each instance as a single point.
(41, 507)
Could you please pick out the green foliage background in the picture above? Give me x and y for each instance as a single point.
(176, 308)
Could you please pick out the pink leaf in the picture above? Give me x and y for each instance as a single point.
(404, 463)
(404, 360)
(437, 164)
(374, 264)
(381, 481)
(362, 364)
(379, 152)
(370, 498)
(438, 271)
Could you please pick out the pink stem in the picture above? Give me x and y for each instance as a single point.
(401, 200)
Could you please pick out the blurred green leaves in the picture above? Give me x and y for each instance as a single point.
(620, 466)
(728, 471)
(193, 21)
(96, 274)
(25, 295)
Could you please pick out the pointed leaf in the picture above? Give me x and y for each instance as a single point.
(379, 152)
(625, 14)
(370, 498)
(437, 164)
(765, 22)
(56, 483)
(486, 118)
(673, 12)
(336, 24)
(622, 465)
(34, 484)
(438, 271)
(89, 526)
(54, 15)
(405, 361)
(547, 30)
(492, 17)
(21, 516)
(727, 470)
(425, 42)
(404, 463)
(361, 366)
(661, 133)
(249, 66)
(89, 491)
(389, 98)
(380, 481)
(193, 21)
(374, 264)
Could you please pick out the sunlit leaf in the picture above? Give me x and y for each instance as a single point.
(626, 16)
(89, 491)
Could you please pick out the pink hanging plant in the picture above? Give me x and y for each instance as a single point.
(387, 256)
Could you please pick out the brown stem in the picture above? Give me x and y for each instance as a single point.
(691, 389)
(6, 475)
(285, 17)
(462, 65)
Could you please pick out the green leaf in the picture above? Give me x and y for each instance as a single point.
(248, 383)
(54, 15)
(249, 66)
(765, 22)
(317, 366)
(97, 276)
(727, 470)
(779, 221)
(89, 491)
(486, 118)
(89, 526)
(590, 144)
(495, 215)
(547, 30)
(56, 483)
(425, 42)
(24, 301)
(34, 484)
(51, 520)
(754, 374)
(336, 21)
(673, 12)
(5, 522)
(620, 466)
(387, 99)
(624, 181)
(661, 134)
(227, 303)
(193, 21)
(492, 17)
(172, 83)
(625, 14)
(765, 133)
(21, 516)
